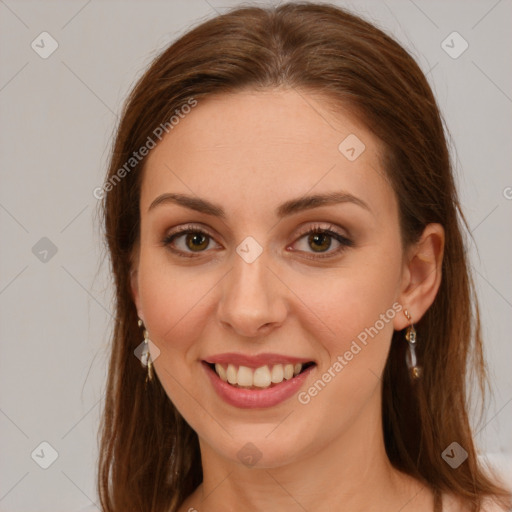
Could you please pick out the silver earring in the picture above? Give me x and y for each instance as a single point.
(411, 359)
(145, 358)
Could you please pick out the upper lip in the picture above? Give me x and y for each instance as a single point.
(254, 361)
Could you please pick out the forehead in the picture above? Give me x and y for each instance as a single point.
(248, 148)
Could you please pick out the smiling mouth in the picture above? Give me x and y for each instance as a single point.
(263, 377)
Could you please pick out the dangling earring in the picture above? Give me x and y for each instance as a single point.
(410, 336)
(145, 358)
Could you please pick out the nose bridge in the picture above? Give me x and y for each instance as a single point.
(250, 294)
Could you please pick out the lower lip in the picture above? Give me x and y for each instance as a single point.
(256, 398)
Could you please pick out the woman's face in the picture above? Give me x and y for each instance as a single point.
(252, 282)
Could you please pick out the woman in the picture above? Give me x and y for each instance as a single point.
(293, 324)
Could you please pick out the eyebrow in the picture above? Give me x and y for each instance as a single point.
(286, 209)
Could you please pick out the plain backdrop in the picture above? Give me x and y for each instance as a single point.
(58, 114)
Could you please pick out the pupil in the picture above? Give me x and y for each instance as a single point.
(196, 241)
(318, 238)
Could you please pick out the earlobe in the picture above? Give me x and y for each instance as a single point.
(422, 275)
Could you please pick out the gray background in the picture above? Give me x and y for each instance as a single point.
(57, 118)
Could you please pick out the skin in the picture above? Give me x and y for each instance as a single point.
(232, 150)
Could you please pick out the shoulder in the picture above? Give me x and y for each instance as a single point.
(491, 506)
(452, 503)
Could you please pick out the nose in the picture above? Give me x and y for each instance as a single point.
(253, 301)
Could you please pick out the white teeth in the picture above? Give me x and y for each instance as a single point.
(232, 374)
(221, 372)
(261, 377)
(244, 376)
(277, 373)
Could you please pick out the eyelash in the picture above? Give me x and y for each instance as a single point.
(191, 229)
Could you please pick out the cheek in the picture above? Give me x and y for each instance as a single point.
(358, 306)
(350, 301)
(173, 299)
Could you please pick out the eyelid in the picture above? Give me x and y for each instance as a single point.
(189, 227)
(317, 226)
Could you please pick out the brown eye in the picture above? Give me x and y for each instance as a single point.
(188, 240)
(319, 242)
(197, 241)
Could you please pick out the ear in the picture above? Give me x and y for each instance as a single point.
(421, 275)
(134, 285)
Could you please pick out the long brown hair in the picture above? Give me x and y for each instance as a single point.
(149, 456)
